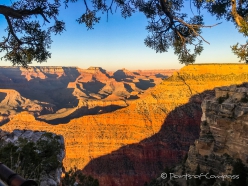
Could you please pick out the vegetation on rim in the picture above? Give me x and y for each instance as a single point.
(31, 160)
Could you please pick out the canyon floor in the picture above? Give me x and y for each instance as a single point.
(149, 127)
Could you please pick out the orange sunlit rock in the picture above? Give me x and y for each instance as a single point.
(93, 136)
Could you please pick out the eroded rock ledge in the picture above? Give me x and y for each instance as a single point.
(222, 143)
(224, 126)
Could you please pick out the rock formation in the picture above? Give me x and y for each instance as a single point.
(139, 132)
(223, 139)
(68, 92)
(11, 102)
(224, 130)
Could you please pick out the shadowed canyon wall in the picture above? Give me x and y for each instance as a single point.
(220, 153)
(131, 145)
(223, 129)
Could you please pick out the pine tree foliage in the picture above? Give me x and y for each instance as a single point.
(28, 39)
(237, 12)
(32, 22)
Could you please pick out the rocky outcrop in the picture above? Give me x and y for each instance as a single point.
(139, 132)
(224, 129)
(222, 142)
(39, 144)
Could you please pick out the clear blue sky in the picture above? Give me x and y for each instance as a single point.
(119, 43)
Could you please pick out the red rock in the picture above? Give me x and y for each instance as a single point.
(134, 144)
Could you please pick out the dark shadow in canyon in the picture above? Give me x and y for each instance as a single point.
(104, 72)
(119, 75)
(51, 89)
(137, 163)
(83, 111)
(128, 87)
(2, 96)
(133, 97)
(161, 76)
(144, 84)
(5, 120)
(93, 86)
(136, 73)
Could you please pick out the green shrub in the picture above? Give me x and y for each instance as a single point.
(74, 175)
(30, 159)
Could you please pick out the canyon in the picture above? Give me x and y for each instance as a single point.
(57, 94)
(223, 137)
(222, 144)
(131, 145)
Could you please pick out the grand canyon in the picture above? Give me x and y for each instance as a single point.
(123, 127)
(58, 94)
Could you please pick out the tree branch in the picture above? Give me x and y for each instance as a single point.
(86, 5)
(166, 11)
(10, 12)
(189, 26)
(238, 19)
(192, 26)
(12, 31)
(19, 14)
(36, 11)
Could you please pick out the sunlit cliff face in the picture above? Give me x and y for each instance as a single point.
(90, 137)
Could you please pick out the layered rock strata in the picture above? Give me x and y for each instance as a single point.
(222, 141)
(224, 129)
(163, 124)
